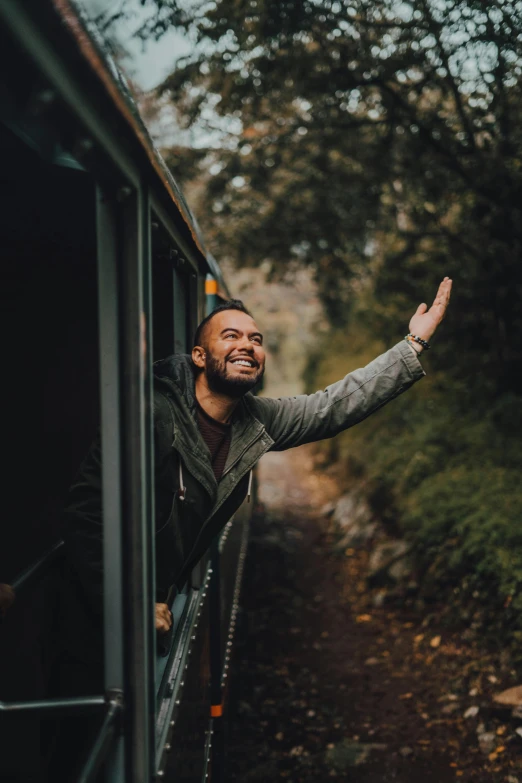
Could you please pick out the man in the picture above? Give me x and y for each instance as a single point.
(210, 432)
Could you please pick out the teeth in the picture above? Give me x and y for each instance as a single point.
(243, 362)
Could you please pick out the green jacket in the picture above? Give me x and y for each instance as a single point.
(185, 527)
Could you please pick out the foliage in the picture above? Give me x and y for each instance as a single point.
(376, 140)
(442, 465)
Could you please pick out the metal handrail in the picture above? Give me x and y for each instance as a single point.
(36, 569)
(27, 577)
(77, 705)
(103, 740)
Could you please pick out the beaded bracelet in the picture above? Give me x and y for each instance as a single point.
(417, 339)
(411, 344)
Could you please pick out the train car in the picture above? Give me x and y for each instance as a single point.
(104, 272)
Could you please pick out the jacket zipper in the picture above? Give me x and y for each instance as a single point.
(242, 453)
(215, 510)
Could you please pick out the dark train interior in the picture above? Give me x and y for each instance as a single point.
(48, 240)
(49, 286)
(50, 315)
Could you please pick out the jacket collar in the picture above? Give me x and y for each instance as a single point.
(177, 373)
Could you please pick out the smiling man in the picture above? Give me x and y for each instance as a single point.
(210, 431)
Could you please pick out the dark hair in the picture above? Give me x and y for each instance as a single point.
(231, 304)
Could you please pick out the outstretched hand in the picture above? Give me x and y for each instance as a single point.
(425, 322)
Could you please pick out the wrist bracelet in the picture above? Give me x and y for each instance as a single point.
(414, 337)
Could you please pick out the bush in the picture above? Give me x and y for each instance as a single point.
(442, 465)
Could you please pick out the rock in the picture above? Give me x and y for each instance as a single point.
(389, 560)
(487, 741)
(327, 510)
(350, 754)
(452, 707)
(517, 712)
(471, 712)
(401, 569)
(519, 731)
(379, 598)
(353, 517)
(512, 697)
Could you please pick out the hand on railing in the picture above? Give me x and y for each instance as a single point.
(163, 618)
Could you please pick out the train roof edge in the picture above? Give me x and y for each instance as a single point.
(64, 22)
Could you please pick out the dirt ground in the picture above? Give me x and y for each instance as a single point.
(327, 685)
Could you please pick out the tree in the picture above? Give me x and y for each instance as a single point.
(342, 128)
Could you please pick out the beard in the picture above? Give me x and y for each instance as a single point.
(220, 382)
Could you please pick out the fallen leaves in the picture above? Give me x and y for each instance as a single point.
(494, 754)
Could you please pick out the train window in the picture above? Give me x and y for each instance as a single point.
(181, 318)
(48, 241)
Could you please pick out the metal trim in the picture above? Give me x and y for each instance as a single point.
(37, 568)
(136, 457)
(77, 705)
(102, 741)
(171, 687)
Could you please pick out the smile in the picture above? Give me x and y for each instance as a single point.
(243, 362)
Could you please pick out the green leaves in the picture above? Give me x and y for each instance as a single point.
(376, 142)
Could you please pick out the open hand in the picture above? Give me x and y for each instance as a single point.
(425, 322)
(163, 618)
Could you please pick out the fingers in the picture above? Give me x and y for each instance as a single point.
(421, 309)
(163, 618)
(442, 298)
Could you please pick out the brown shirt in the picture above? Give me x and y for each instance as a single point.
(217, 437)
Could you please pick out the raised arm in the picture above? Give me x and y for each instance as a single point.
(292, 421)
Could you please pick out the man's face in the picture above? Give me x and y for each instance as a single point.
(233, 358)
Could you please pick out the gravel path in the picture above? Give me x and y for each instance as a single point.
(326, 686)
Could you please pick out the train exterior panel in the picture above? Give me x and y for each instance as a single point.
(104, 273)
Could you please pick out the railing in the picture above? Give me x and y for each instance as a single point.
(28, 577)
(111, 704)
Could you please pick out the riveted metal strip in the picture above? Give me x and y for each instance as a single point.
(235, 604)
(225, 534)
(208, 749)
(174, 678)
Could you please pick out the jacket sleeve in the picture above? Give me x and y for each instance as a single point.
(292, 421)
